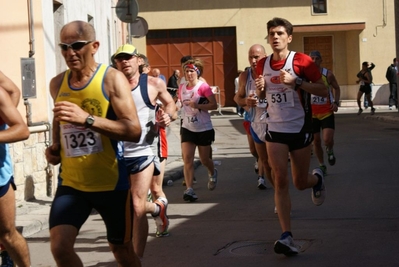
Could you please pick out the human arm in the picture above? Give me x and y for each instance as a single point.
(337, 90)
(125, 128)
(315, 87)
(372, 66)
(17, 129)
(157, 90)
(207, 100)
(240, 96)
(10, 87)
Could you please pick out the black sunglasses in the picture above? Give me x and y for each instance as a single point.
(122, 57)
(76, 46)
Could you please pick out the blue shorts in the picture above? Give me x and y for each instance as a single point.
(4, 188)
(261, 129)
(138, 164)
(73, 207)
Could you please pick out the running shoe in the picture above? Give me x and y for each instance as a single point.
(6, 260)
(319, 190)
(184, 181)
(161, 220)
(286, 246)
(163, 234)
(330, 157)
(189, 195)
(324, 169)
(256, 167)
(213, 180)
(372, 112)
(360, 111)
(261, 183)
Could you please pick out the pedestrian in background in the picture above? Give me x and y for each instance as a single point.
(365, 79)
(173, 84)
(392, 77)
(157, 74)
(92, 105)
(369, 68)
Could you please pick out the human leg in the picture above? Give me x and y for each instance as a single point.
(62, 239)
(278, 163)
(203, 151)
(359, 95)
(188, 152)
(160, 202)
(69, 210)
(370, 103)
(328, 137)
(116, 209)
(139, 186)
(263, 169)
(12, 240)
(302, 179)
(251, 144)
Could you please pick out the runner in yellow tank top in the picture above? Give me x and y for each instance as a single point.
(85, 128)
(85, 148)
(323, 109)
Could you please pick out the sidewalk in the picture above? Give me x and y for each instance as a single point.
(32, 216)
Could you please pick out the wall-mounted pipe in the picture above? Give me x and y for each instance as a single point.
(384, 18)
(31, 30)
(43, 126)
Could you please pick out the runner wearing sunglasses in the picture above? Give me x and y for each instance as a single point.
(92, 110)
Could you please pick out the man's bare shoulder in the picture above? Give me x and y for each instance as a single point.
(113, 80)
(55, 83)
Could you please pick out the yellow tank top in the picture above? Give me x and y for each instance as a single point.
(321, 106)
(90, 162)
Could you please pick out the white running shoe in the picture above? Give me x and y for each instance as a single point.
(285, 246)
(213, 180)
(189, 195)
(261, 183)
(319, 190)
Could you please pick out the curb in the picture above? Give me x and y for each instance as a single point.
(174, 170)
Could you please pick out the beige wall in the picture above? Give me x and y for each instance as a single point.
(375, 43)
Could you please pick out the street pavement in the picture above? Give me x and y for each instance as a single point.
(32, 216)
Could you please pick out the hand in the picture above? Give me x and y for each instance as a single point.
(287, 78)
(252, 99)
(334, 107)
(70, 112)
(163, 118)
(53, 154)
(260, 83)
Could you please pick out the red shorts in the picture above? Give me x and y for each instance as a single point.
(162, 144)
(247, 126)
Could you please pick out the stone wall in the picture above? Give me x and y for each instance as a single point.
(30, 167)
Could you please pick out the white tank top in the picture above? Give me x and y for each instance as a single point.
(285, 111)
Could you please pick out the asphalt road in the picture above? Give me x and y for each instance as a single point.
(235, 226)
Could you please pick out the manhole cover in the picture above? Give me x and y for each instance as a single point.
(253, 248)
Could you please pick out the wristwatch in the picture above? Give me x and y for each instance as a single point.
(298, 82)
(89, 121)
